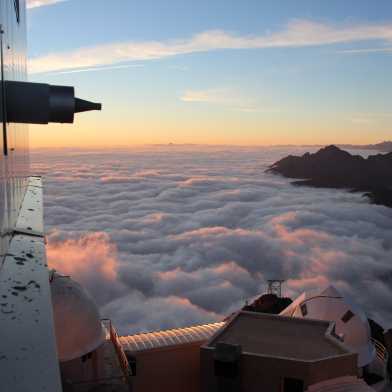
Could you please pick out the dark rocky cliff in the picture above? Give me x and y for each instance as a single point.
(332, 167)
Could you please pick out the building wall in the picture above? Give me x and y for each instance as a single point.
(14, 163)
(266, 374)
(333, 368)
(174, 369)
(84, 369)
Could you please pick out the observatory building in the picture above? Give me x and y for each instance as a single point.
(80, 335)
(325, 346)
(264, 352)
(52, 335)
(78, 326)
(351, 323)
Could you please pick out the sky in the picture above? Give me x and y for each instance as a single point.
(216, 72)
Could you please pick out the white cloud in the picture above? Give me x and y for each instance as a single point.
(97, 69)
(369, 118)
(219, 96)
(137, 313)
(41, 3)
(366, 50)
(167, 236)
(226, 97)
(298, 33)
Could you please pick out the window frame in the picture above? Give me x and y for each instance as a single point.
(347, 316)
(304, 309)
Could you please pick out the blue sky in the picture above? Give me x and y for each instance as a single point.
(249, 72)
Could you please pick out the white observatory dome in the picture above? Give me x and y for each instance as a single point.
(351, 323)
(76, 318)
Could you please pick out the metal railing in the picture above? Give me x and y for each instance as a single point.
(383, 358)
(122, 358)
(87, 385)
(381, 351)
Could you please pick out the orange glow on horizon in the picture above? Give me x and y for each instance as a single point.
(100, 136)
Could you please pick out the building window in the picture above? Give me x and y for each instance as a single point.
(293, 385)
(304, 310)
(347, 316)
(17, 10)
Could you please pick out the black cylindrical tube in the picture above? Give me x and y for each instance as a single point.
(27, 102)
(61, 104)
(39, 103)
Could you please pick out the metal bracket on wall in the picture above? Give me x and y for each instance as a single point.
(3, 101)
(17, 10)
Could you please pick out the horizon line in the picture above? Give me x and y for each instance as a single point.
(125, 147)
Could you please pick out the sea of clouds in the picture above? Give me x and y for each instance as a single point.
(168, 236)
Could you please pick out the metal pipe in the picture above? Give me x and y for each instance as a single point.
(40, 103)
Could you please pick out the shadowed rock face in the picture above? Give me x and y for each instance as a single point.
(332, 167)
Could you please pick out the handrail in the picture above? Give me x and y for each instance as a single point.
(126, 369)
(96, 381)
(381, 351)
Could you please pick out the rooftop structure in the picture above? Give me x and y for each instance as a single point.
(169, 338)
(275, 287)
(76, 319)
(256, 351)
(252, 350)
(167, 360)
(350, 320)
(278, 336)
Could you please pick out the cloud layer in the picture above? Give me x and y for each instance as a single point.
(170, 236)
(224, 97)
(41, 3)
(298, 33)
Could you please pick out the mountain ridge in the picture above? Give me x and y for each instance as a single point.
(385, 146)
(332, 167)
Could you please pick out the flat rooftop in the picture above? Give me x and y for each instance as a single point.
(279, 336)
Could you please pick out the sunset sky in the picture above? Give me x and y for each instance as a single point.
(216, 72)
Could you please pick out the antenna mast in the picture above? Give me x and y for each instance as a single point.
(275, 287)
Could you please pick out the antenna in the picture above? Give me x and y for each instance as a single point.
(275, 287)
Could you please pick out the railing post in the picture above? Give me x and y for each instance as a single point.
(383, 356)
(122, 358)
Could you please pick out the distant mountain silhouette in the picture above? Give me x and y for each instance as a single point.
(332, 167)
(385, 146)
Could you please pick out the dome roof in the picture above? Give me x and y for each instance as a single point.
(351, 323)
(76, 318)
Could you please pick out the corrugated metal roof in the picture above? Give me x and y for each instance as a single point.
(169, 337)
